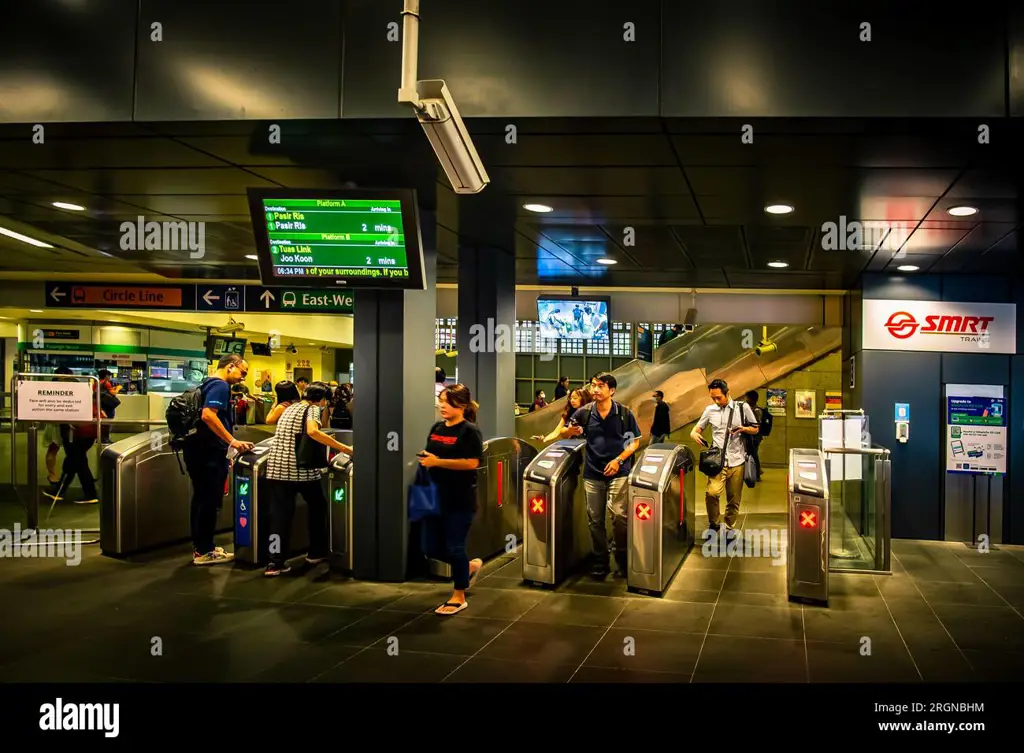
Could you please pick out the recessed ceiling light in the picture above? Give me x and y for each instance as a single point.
(254, 257)
(607, 261)
(537, 208)
(907, 268)
(778, 209)
(64, 205)
(962, 211)
(778, 264)
(23, 238)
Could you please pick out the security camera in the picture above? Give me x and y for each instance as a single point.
(764, 347)
(449, 138)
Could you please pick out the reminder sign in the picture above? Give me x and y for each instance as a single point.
(976, 429)
(55, 401)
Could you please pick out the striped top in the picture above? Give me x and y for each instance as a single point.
(281, 464)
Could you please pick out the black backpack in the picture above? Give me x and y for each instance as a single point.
(766, 423)
(184, 414)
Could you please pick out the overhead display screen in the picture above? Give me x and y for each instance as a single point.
(350, 238)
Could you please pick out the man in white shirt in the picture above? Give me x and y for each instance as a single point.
(730, 480)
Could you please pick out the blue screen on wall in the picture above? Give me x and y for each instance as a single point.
(573, 318)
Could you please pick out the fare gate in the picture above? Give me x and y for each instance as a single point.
(556, 534)
(660, 517)
(807, 561)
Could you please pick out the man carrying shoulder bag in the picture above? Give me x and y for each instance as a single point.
(723, 463)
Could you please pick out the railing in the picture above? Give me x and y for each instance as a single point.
(861, 513)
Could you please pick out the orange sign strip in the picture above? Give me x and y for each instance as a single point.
(122, 295)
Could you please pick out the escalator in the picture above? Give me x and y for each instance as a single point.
(684, 366)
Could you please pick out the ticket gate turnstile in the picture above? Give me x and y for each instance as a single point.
(556, 535)
(660, 516)
(339, 499)
(807, 556)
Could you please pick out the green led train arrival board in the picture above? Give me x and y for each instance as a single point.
(325, 239)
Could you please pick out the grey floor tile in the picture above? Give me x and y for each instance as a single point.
(995, 629)
(733, 659)
(545, 643)
(615, 676)
(850, 662)
(574, 609)
(680, 617)
(648, 650)
(482, 670)
(458, 634)
(376, 665)
(757, 622)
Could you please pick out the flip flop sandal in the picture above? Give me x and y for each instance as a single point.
(461, 606)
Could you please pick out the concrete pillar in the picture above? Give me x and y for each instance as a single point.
(393, 411)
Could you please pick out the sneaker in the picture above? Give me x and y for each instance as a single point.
(213, 558)
(599, 569)
(316, 560)
(273, 570)
(87, 502)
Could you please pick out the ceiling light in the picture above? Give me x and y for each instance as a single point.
(907, 268)
(778, 264)
(63, 205)
(537, 208)
(607, 261)
(778, 209)
(962, 211)
(36, 311)
(23, 238)
(254, 257)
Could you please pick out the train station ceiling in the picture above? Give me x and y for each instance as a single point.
(674, 203)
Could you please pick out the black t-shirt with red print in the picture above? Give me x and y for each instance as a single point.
(462, 441)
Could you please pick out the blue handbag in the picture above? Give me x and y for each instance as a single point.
(424, 501)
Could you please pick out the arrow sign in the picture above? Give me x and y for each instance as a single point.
(209, 297)
(266, 297)
(221, 298)
(56, 294)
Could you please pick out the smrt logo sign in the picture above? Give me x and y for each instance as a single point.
(903, 325)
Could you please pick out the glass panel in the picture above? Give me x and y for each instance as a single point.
(854, 512)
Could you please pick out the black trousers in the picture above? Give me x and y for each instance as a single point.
(282, 512)
(208, 470)
(76, 463)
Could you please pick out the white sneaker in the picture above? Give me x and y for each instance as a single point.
(213, 558)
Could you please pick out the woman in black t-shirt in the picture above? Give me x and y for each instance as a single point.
(453, 453)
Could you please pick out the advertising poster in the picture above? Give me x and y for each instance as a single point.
(976, 429)
(805, 404)
(644, 344)
(833, 400)
(776, 402)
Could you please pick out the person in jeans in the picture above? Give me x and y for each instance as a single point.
(206, 459)
(661, 427)
(285, 480)
(735, 418)
(453, 453)
(612, 435)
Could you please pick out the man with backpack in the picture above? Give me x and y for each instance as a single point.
(201, 421)
(730, 420)
(764, 422)
(612, 435)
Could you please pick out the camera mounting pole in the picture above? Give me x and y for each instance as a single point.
(408, 95)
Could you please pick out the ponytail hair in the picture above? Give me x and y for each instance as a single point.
(458, 396)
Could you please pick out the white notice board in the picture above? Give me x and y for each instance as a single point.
(843, 433)
(56, 401)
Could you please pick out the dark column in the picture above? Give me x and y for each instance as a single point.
(487, 310)
(393, 411)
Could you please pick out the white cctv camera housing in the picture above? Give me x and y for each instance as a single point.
(449, 138)
(765, 347)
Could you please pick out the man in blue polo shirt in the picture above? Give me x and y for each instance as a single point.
(612, 435)
(206, 458)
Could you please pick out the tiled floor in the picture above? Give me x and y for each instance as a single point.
(948, 613)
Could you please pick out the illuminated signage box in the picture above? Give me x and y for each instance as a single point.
(338, 239)
(940, 326)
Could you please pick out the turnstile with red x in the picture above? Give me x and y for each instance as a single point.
(660, 516)
(808, 548)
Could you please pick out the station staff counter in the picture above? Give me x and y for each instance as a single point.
(497, 525)
(660, 516)
(145, 499)
(556, 533)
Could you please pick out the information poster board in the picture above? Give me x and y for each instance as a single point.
(776, 402)
(846, 433)
(975, 428)
(55, 401)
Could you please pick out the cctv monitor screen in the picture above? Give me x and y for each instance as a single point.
(351, 238)
(218, 347)
(583, 318)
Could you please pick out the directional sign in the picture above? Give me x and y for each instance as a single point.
(220, 297)
(116, 296)
(304, 300)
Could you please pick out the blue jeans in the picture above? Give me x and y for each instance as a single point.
(446, 541)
